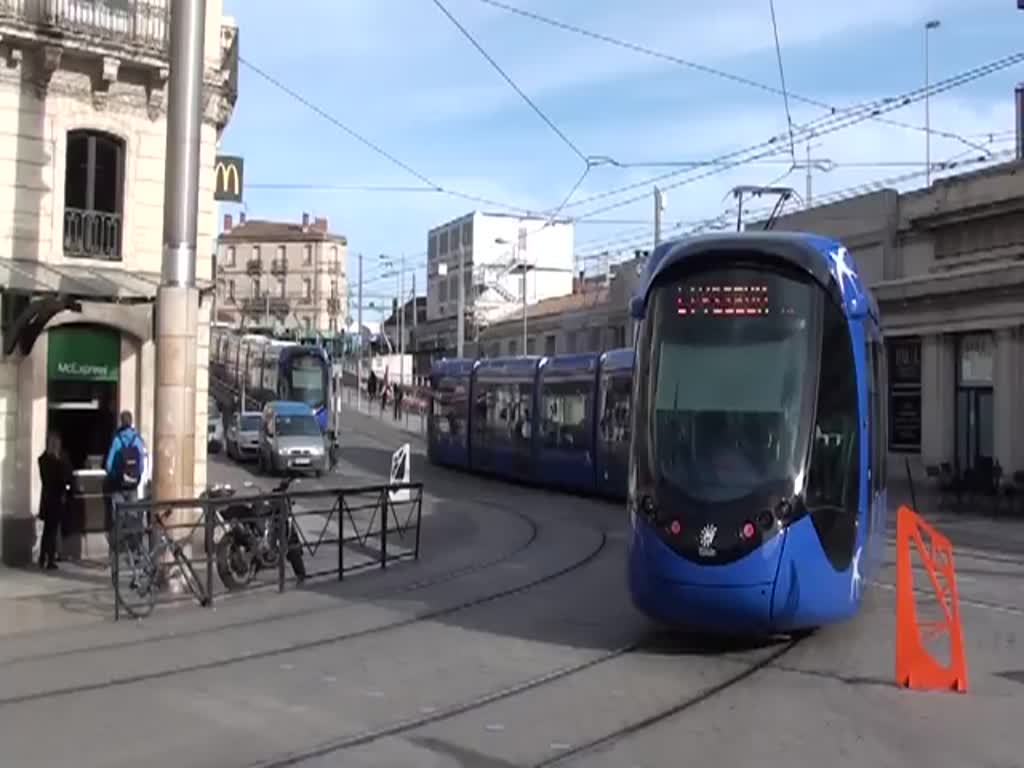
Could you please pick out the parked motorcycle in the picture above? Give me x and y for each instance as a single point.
(251, 543)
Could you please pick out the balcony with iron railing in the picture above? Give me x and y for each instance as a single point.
(279, 267)
(92, 234)
(254, 267)
(115, 26)
(334, 306)
(259, 305)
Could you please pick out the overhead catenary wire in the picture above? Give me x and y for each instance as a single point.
(826, 126)
(782, 79)
(708, 70)
(512, 83)
(370, 144)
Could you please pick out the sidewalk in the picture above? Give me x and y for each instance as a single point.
(414, 424)
(73, 595)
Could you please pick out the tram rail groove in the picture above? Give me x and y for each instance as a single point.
(683, 705)
(430, 615)
(443, 577)
(446, 713)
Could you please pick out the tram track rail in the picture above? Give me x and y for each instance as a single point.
(412, 724)
(591, 554)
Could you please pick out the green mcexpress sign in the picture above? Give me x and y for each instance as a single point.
(83, 353)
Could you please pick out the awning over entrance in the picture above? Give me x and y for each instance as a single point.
(35, 292)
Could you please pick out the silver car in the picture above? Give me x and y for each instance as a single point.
(243, 435)
(291, 440)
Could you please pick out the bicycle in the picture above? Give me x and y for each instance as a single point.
(146, 568)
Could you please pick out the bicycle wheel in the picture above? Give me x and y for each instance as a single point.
(136, 588)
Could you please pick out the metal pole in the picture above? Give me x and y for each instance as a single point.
(460, 321)
(808, 191)
(359, 332)
(524, 307)
(401, 323)
(657, 217)
(177, 305)
(928, 27)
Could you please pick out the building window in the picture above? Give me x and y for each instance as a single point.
(93, 195)
(307, 289)
(432, 247)
(256, 253)
(284, 287)
(549, 345)
(531, 345)
(572, 342)
(307, 255)
(334, 289)
(904, 394)
(335, 264)
(256, 288)
(442, 291)
(231, 256)
(512, 348)
(442, 245)
(231, 290)
(467, 233)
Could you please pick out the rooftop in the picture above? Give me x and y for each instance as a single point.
(265, 231)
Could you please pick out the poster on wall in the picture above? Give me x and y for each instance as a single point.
(905, 421)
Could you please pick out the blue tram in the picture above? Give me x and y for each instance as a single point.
(268, 369)
(757, 472)
(559, 421)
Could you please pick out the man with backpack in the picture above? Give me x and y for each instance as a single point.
(127, 467)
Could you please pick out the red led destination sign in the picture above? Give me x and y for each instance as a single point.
(724, 300)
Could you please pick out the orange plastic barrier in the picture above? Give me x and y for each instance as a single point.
(915, 666)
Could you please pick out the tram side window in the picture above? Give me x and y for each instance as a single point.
(615, 415)
(449, 410)
(882, 413)
(565, 421)
(503, 412)
(835, 455)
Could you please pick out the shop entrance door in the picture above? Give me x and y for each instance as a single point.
(975, 432)
(82, 402)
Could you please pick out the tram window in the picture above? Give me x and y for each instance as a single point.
(834, 475)
(448, 410)
(503, 412)
(565, 420)
(615, 415)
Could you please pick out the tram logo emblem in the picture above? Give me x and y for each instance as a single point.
(706, 539)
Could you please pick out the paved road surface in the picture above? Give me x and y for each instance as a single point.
(512, 643)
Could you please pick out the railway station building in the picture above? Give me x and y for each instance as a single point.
(83, 90)
(946, 264)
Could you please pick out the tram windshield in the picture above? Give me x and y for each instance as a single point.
(307, 381)
(732, 353)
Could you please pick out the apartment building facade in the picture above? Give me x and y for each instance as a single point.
(502, 256)
(293, 276)
(83, 89)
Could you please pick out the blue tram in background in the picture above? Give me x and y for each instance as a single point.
(757, 493)
(557, 421)
(268, 369)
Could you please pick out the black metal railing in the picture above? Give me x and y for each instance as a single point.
(92, 234)
(254, 266)
(253, 541)
(143, 24)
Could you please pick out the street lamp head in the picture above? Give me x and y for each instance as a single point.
(933, 24)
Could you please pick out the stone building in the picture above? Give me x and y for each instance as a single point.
(83, 87)
(292, 274)
(946, 264)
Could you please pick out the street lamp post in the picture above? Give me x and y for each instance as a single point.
(928, 27)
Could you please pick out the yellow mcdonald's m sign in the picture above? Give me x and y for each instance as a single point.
(227, 178)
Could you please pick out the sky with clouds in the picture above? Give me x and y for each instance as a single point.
(400, 74)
